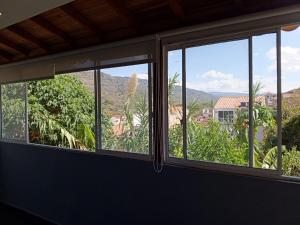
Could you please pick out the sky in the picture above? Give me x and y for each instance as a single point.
(223, 67)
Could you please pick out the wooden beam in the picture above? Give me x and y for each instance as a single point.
(45, 24)
(76, 15)
(6, 55)
(120, 9)
(29, 37)
(13, 45)
(240, 5)
(176, 8)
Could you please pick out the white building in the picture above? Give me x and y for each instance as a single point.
(226, 107)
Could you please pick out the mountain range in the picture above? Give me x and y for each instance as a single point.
(114, 91)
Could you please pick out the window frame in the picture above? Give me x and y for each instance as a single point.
(98, 133)
(97, 91)
(218, 39)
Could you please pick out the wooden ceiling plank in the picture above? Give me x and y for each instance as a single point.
(13, 45)
(42, 22)
(76, 15)
(176, 7)
(29, 37)
(240, 5)
(120, 9)
(6, 55)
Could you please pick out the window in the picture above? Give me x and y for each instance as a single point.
(265, 101)
(61, 111)
(214, 86)
(125, 108)
(175, 112)
(225, 117)
(231, 104)
(290, 96)
(13, 97)
(232, 111)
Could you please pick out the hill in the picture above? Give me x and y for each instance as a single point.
(114, 90)
(223, 94)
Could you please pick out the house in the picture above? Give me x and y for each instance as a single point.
(226, 107)
(118, 123)
(207, 114)
(271, 100)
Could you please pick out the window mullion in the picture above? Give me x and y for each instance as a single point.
(150, 112)
(98, 130)
(251, 134)
(1, 120)
(279, 117)
(184, 114)
(26, 114)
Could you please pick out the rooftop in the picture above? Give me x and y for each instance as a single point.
(232, 102)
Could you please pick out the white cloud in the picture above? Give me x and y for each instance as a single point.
(220, 82)
(216, 75)
(143, 76)
(269, 82)
(290, 59)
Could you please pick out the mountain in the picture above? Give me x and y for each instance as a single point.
(193, 95)
(221, 94)
(297, 90)
(114, 90)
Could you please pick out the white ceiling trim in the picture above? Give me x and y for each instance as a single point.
(14, 11)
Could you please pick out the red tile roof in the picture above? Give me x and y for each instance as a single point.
(232, 102)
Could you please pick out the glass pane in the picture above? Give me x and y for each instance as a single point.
(13, 111)
(124, 108)
(217, 102)
(175, 103)
(265, 101)
(62, 111)
(290, 57)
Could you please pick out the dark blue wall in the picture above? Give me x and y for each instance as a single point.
(86, 189)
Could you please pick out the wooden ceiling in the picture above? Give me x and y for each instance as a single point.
(85, 23)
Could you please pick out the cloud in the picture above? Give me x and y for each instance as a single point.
(216, 75)
(143, 76)
(269, 83)
(290, 59)
(219, 82)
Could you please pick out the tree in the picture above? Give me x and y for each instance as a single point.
(13, 111)
(61, 113)
(291, 132)
(135, 136)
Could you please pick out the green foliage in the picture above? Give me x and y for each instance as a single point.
(61, 113)
(291, 162)
(136, 137)
(176, 141)
(291, 132)
(212, 143)
(107, 135)
(13, 111)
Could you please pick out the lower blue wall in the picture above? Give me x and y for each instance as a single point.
(87, 189)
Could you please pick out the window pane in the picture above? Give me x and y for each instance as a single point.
(62, 111)
(124, 109)
(13, 111)
(290, 57)
(265, 101)
(217, 102)
(175, 103)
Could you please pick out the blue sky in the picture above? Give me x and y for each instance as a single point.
(223, 67)
(141, 70)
